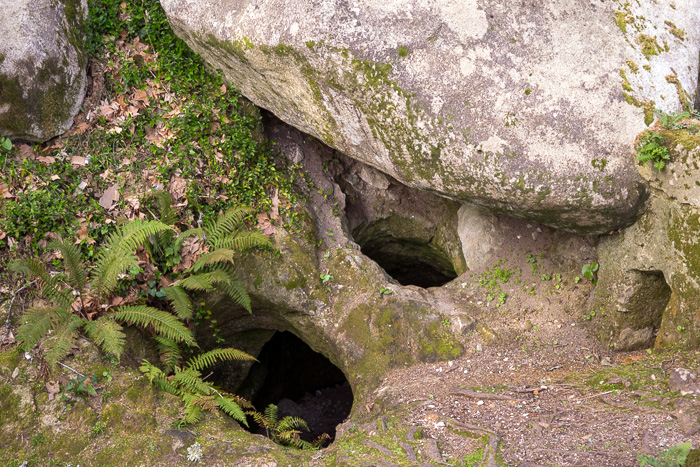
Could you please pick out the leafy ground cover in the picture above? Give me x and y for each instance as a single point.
(160, 137)
(155, 118)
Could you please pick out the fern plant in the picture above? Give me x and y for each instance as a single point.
(77, 296)
(198, 395)
(213, 270)
(285, 431)
(652, 150)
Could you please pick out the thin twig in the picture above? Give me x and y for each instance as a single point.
(9, 311)
(596, 395)
(479, 395)
(71, 369)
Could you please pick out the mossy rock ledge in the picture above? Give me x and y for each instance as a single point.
(521, 109)
(648, 291)
(42, 67)
(321, 287)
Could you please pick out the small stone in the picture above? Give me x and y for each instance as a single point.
(480, 403)
(15, 373)
(684, 381)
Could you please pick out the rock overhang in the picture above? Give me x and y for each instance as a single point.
(521, 109)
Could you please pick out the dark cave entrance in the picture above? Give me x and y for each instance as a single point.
(301, 383)
(408, 261)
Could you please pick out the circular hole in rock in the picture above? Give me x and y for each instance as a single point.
(301, 383)
(408, 262)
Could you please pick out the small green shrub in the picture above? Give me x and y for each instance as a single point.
(80, 386)
(198, 395)
(652, 150)
(589, 271)
(675, 456)
(672, 120)
(5, 144)
(285, 431)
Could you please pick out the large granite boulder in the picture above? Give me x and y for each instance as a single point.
(520, 107)
(42, 67)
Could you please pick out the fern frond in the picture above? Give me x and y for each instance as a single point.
(150, 371)
(204, 281)
(62, 339)
(191, 380)
(167, 215)
(108, 269)
(217, 355)
(169, 353)
(117, 253)
(232, 409)
(196, 282)
(185, 235)
(163, 323)
(271, 413)
(243, 403)
(226, 224)
(290, 423)
(217, 256)
(157, 377)
(108, 334)
(259, 419)
(288, 438)
(133, 234)
(193, 414)
(180, 301)
(205, 402)
(48, 285)
(37, 323)
(72, 260)
(243, 241)
(237, 292)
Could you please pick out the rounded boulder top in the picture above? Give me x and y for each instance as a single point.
(526, 108)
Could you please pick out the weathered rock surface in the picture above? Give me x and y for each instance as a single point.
(649, 278)
(524, 108)
(42, 67)
(324, 290)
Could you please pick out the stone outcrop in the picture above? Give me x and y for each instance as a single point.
(649, 279)
(324, 290)
(521, 108)
(42, 67)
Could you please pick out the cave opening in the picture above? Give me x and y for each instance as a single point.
(301, 383)
(408, 261)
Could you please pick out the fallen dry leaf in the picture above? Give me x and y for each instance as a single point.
(83, 235)
(265, 224)
(5, 192)
(275, 213)
(109, 197)
(178, 186)
(109, 111)
(52, 387)
(81, 128)
(77, 160)
(141, 95)
(26, 151)
(46, 159)
(7, 339)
